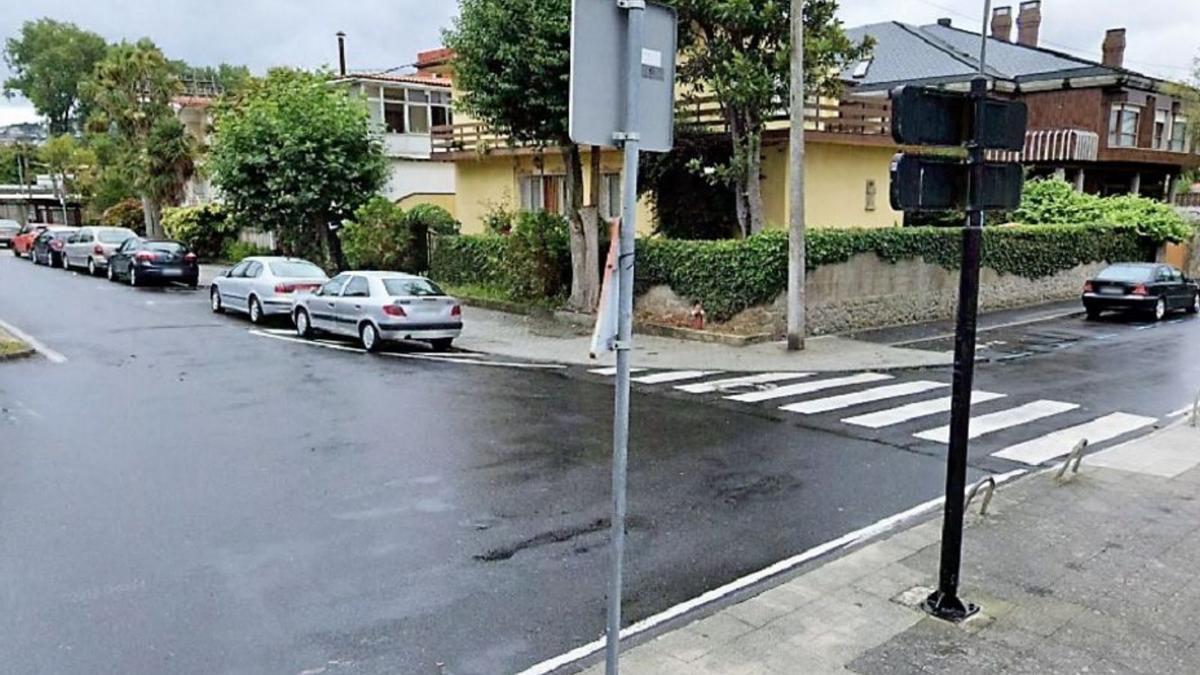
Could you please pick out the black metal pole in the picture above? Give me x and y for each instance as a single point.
(944, 603)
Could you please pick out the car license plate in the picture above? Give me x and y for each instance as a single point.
(172, 273)
(1111, 290)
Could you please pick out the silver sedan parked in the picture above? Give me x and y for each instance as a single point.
(90, 247)
(378, 307)
(8, 231)
(265, 286)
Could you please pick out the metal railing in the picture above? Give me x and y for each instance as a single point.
(849, 115)
(1075, 459)
(990, 484)
(1189, 199)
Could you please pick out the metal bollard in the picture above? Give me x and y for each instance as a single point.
(990, 482)
(1076, 456)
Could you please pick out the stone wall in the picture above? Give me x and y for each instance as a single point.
(868, 292)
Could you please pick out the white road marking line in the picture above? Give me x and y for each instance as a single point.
(1004, 419)
(821, 405)
(808, 387)
(674, 376)
(882, 527)
(912, 411)
(38, 346)
(613, 371)
(1181, 411)
(732, 382)
(311, 343)
(471, 362)
(1061, 442)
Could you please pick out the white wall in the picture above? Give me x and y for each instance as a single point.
(419, 177)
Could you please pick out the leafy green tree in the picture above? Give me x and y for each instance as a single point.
(68, 164)
(132, 89)
(513, 63)
(50, 60)
(296, 156)
(740, 51)
(13, 162)
(113, 177)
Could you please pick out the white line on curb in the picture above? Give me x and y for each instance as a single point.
(885, 525)
(50, 354)
(421, 357)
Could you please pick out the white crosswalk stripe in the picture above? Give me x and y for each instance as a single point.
(1061, 442)
(808, 387)
(609, 372)
(674, 376)
(821, 405)
(734, 382)
(1004, 419)
(913, 411)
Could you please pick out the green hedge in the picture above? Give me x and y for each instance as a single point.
(733, 275)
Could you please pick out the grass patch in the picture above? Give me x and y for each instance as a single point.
(11, 346)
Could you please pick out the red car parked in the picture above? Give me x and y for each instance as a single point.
(22, 244)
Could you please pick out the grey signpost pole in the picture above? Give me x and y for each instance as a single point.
(629, 138)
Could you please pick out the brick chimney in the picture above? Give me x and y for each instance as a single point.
(1029, 22)
(1002, 23)
(1114, 48)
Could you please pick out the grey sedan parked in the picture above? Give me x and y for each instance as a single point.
(265, 286)
(378, 307)
(8, 230)
(90, 247)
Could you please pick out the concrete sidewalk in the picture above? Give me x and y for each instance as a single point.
(532, 338)
(1097, 575)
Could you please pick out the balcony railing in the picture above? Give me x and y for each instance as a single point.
(1189, 200)
(851, 116)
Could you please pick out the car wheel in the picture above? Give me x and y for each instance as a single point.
(91, 267)
(1160, 309)
(66, 264)
(1093, 314)
(133, 280)
(193, 283)
(255, 310)
(16, 252)
(441, 344)
(303, 325)
(112, 275)
(214, 299)
(369, 337)
(1195, 307)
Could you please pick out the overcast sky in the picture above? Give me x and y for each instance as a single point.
(1164, 35)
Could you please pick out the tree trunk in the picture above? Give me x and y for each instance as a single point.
(591, 223)
(754, 199)
(584, 280)
(152, 217)
(334, 243)
(739, 165)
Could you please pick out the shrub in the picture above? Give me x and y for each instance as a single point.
(498, 219)
(206, 229)
(235, 250)
(538, 247)
(125, 213)
(1055, 202)
(433, 219)
(378, 238)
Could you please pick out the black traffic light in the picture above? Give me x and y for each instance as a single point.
(932, 117)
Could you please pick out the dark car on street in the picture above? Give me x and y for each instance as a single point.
(48, 246)
(141, 261)
(1149, 288)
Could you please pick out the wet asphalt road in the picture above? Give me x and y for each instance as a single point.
(183, 496)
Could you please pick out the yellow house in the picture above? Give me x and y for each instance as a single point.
(848, 157)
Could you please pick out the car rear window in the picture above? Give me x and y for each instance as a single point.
(296, 269)
(165, 246)
(1125, 273)
(411, 287)
(114, 236)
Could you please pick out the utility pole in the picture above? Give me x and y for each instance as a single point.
(796, 319)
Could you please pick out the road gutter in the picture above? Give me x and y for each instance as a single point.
(31, 343)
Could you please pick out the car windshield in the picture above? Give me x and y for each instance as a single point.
(113, 236)
(411, 287)
(296, 269)
(1125, 273)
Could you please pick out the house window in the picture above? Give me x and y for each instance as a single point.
(1123, 126)
(610, 195)
(543, 193)
(1162, 129)
(1179, 134)
(393, 117)
(409, 111)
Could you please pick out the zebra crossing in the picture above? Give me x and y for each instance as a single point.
(873, 401)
